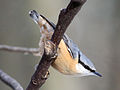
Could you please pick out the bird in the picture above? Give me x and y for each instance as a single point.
(70, 60)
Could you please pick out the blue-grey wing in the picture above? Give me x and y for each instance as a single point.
(76, 53)
(72, 47)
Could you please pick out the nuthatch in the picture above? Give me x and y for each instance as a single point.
(70, 60)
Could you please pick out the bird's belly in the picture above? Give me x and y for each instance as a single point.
(64, 62)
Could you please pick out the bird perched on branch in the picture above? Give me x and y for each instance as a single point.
(70, 60)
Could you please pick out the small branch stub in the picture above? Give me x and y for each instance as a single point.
(42, 73)
(50, 49)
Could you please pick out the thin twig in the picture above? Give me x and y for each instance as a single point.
(65, 18)
(19, 49)
(10, 81)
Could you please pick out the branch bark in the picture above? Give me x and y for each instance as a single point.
(65, 18)
(10, 81)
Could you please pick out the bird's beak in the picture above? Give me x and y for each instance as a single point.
(34, 15)
(97, 74)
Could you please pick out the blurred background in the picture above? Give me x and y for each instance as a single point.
(95, 29)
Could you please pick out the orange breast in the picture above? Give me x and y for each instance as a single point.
(64, 62)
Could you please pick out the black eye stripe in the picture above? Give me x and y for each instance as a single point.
(53, 26)
(85, 66)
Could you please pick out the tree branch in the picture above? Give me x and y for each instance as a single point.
(19, 49)
(65, 18)
(10, 81)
